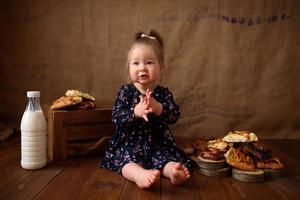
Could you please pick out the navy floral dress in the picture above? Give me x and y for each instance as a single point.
(149, 144)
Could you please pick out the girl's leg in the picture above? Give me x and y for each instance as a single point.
(142, 177)
(176, 172)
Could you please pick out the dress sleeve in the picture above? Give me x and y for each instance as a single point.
(123, 109)
(171, 111)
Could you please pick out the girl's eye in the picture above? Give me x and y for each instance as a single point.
(149, 62)
(135, 63)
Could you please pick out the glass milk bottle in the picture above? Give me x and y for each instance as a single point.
(33, 134)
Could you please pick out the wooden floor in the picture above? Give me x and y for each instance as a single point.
(81, 178)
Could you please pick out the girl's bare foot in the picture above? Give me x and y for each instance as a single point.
(147, 178)
(144, 178)
(177, 172)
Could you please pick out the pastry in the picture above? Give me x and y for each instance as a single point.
(212, 154)
(217, 144)
(77, 93)
(240, 136)
(271, 163)
(255, 150)
(64, 102)
(237, 159)
(200, 144)
(85, 105)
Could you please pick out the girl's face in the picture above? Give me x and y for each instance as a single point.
(144, 68)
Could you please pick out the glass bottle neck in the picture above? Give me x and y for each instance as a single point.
(33, 104)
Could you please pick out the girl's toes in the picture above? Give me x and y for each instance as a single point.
(178, 166)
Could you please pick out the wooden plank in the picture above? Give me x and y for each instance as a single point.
(13, 140)
(87, 147)
(29, 183)
(188, 190)
(286, 187)
(50, 134)
(8, 166)
(11, 170)
(57, 136)
(96, 116)
(104, 184)
(71, 180)
(215, 188)
(87, 131)
(10, 151)
(132, 191)
(78, 113)
(255, 190)
(10, 176)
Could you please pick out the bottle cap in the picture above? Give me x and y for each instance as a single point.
(33, 93)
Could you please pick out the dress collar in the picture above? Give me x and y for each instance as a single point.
(138, 93)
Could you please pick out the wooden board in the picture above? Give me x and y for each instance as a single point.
(217, 173)
(256, 176)
(269, 173)
(211, 164)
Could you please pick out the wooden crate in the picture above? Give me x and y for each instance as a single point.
(74, 132)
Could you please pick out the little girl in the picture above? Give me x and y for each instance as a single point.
(143, 148)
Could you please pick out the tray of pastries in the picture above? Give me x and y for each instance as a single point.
(239, 154)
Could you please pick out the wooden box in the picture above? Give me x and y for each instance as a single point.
(75, 132)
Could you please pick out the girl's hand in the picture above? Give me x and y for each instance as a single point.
(141, 110)
(154, 106)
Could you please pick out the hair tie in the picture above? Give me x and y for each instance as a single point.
(148, 36)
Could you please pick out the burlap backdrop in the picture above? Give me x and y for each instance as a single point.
(230, 64)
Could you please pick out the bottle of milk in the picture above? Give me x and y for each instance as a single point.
(33, 134)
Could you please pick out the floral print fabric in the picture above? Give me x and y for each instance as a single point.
(149, 144)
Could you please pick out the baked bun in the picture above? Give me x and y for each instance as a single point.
(85, 105)
(240, 136)
(77, 93)
(272, 163)
(217, 144)
(65, 102)
(213, 154)
(239, 160)
(200, 144)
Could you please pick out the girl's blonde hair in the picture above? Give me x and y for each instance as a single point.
(154, 40)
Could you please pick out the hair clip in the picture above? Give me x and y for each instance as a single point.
(147, 36)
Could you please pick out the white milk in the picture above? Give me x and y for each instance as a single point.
(33, 136)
